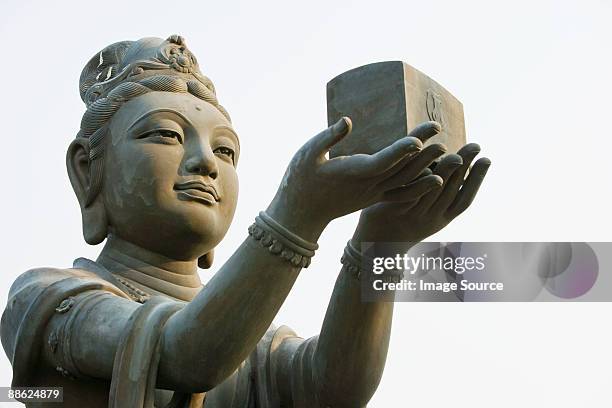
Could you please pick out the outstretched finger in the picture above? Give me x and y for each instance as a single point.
(422, 132)
(453, 184)
(323, 142)
(414, 167)
(470, 187)
(414, 190)
(425, 130)
(387, 158)
(445, 169)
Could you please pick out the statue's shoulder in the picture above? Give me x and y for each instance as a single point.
(38, 293)
(35, 283)
(37, 279)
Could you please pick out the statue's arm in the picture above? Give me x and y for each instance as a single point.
(351, 351)
(215, 332)
(342, 366)
(349, 355)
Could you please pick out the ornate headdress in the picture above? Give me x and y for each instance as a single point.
(134, 61)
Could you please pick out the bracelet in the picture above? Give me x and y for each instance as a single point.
(286, 233)
(280, 241)
(353, 262)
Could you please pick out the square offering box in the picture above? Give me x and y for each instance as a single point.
(386, 100)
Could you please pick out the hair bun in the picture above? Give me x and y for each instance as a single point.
(102, 66)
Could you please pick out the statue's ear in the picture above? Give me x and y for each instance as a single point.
(206, 260)
(95, 225)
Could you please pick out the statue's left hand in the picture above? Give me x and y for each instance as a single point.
(416, 218)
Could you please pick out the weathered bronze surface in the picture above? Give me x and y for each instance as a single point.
(385, 100)
(154, 170)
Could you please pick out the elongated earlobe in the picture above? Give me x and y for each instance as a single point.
(206, 260)
(95, 222)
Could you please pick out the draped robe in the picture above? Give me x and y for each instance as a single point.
(39, 295)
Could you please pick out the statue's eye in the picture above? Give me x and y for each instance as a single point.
(163, 134)
(226, 151)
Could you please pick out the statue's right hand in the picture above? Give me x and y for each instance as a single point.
(315, 190)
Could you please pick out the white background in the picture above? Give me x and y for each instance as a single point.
(535, 80)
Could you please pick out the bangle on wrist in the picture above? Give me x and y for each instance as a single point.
(290, 236)
(280, 241)
(354, 262)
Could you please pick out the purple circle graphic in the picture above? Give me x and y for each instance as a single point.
(579, 275)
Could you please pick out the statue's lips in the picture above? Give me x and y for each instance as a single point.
(197, 191)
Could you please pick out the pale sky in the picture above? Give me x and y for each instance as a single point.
(534, 78)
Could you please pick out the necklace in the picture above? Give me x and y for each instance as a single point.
(138, 295)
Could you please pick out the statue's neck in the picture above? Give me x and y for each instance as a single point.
(149, 271)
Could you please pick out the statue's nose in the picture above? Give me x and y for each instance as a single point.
(202, 161)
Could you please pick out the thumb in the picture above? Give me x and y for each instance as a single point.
(321, 143)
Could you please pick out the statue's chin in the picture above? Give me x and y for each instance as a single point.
(181, 230)
(188, 244)
(179, 250)
(181, 242)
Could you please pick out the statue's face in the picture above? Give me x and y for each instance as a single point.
(170, 181)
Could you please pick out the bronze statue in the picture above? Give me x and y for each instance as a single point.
(153, 169)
